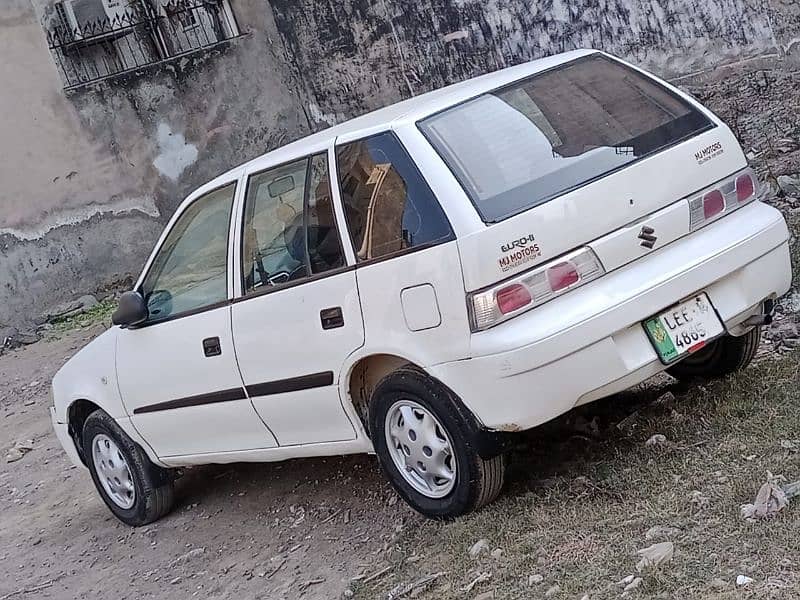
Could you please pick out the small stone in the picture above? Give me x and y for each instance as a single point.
(629, 423)
(633, 584)
(788, 444)
(665, 398)
(33, 384)
(742, 580)
(497, 553)
(552, 591)
(176, 581)
(656, 440)
(789, 185)
(14, 455)
(534, 579)
(769, 501)
(188, 556)
(626, 580)
(479, 547)
(348, 593)
(24, 445)
(655, 555)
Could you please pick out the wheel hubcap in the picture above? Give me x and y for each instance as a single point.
(420, 449)
(113, 471)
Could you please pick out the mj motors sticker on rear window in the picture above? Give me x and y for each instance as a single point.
(709, 152)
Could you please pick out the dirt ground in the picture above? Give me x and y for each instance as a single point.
(584, 494)
(300, 529)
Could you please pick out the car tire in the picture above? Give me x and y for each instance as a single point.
(134, 489)
(722, 357)
(425, 420)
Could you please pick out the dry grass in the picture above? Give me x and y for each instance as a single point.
(578, 507)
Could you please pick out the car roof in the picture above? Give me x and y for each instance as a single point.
(411, 109)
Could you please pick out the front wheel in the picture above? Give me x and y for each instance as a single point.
(137, 491)
(722, 357)
(424, 447)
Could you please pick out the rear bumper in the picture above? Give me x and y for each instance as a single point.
(64, 438)
(590, 343)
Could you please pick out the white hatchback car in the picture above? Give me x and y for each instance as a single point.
(427, 279)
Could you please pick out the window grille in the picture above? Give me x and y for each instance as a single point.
(92, 40)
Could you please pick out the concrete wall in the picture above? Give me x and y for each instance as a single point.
(89, 177)
(360, 54)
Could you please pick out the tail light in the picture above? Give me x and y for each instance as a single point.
(533, 288)
(723, 198)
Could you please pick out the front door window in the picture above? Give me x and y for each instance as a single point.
(190, 270)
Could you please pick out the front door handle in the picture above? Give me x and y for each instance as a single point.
(212, 346)
(331, 318)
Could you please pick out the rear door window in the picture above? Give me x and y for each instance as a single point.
(290, 230)
(388, 206)
(540, 137)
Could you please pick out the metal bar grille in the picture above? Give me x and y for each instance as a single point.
(92, 49)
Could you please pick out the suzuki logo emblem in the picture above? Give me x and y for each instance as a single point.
(648, 237)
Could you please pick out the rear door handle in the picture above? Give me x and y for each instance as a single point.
(212, 346)
(331, 318)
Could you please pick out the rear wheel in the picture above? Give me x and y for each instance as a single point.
(722, 357)
(137, 491)
(425, 448)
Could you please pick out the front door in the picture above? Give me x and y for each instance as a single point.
(177, 372)
(299, 316)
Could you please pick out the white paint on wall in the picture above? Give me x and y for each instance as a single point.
(145, 205)
(174, 154)
(319, 116)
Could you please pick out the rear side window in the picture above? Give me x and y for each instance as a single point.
(388, 206)
(543, 136)
(290, 231)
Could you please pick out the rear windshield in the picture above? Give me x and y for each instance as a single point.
(527, 143)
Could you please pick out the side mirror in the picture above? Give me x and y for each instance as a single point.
(132, 310)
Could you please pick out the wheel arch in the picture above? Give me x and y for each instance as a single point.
(364, 374)
(79, 409)
(77, 413)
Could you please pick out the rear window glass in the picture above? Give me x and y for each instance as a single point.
(545, 135)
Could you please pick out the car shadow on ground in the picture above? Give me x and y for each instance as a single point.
(563, 447)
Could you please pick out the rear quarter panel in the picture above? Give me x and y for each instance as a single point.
(387, 330)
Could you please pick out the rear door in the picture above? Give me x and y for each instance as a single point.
(566, 156)
(408, 267)
(298, 316)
